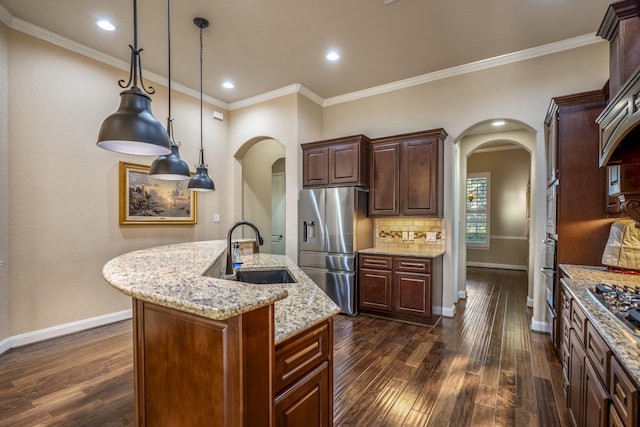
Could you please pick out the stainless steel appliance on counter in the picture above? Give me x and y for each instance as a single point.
(333, 226)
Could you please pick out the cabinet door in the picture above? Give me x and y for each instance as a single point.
(384, 198)
(375, 290)
(576, 373)
(412, 293)
(315, 167)
(419, 168)
(344, 164)
(596, 399)
(306, 403)
(623, 394)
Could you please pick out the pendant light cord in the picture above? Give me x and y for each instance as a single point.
(201, 114)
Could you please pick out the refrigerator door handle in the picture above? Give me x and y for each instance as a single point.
(309, 231)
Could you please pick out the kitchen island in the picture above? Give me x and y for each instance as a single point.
(600, 354)
(212, 351)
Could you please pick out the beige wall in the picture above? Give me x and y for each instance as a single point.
(508, 226)
(290, 120)
(63, 199)
(257, 166)
(4, 189)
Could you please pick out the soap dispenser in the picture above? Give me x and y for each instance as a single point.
(235, 257)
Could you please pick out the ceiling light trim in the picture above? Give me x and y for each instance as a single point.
(509, 58)
(84, 50)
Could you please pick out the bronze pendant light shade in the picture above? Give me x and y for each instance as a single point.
(201, 181)
(133, 129)
(170, 167)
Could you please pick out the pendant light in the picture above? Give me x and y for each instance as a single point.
(170, 167)
(201, 181)
(133, 129)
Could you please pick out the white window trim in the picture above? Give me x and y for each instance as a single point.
(487, 244)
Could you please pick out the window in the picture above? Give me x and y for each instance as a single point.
(478, 210)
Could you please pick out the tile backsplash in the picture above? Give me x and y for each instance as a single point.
(396, 232)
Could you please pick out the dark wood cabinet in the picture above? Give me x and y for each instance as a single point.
(304, 378)
(336, 162)
(399, 287)
(406, 174)
(598, 390)
(191, 370)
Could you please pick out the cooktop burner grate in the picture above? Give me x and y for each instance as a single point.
(621, 301)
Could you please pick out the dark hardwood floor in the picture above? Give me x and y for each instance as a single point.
(482, 368)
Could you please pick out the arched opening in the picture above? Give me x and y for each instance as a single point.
(263, 190)
(510, 152)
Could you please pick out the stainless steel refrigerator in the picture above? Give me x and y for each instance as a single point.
(333, 226)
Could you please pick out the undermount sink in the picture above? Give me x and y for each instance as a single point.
(265, 276)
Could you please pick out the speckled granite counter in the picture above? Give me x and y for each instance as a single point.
(177, 276)
(424, 251)
(623, 343)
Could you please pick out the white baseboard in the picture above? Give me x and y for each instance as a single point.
(448, 311)
(499, 266)
(529, 302)
(462, 294)
(537, 326)
(60, 330)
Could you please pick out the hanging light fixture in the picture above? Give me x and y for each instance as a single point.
(170, 167)
(132, 129)
(201, 181)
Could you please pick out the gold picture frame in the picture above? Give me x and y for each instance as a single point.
(148, 201)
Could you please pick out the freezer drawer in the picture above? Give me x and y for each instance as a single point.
(340, 262)
(340, 287)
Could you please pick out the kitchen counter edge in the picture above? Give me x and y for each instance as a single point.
(623, 343)
(428, 251)
(185, 277)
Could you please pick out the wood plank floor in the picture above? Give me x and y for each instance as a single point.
(482, 368)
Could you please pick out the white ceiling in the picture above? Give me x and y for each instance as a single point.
(264, 45)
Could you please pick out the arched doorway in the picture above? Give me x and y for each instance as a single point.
(513, 134)
(263, 164)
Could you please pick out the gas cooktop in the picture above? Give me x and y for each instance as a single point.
(621, 301)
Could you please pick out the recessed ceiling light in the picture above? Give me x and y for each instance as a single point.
(228, 85)
(105, 25)
(333, 56)
(497, 123)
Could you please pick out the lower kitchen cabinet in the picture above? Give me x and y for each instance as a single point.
(399, 287)
(304, 378)
(598, 390)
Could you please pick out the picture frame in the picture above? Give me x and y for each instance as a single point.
(148, 201)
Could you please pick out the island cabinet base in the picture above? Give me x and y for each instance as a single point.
(304, 378)
(195, 371)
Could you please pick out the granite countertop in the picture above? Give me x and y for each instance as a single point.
(624, 344)
(425, 251)
(186, 277)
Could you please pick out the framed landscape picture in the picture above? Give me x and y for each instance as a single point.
(144, 200)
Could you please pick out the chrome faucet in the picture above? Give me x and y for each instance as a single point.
(259, 241)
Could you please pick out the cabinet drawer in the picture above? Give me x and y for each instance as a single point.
(297, 357)
(598, 353)
(578, 320)
(413, 265)
(376, 262)
(623, 394)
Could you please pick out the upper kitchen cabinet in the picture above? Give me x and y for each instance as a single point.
(336, 162)
(406, 174)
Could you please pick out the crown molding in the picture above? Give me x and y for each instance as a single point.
(484, 64)
(51, 37)
(5, 15)
(277, 93)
